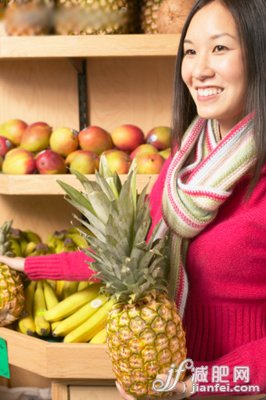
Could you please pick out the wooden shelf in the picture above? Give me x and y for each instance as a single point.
(57, 360)
(88, 46)
(47, 184)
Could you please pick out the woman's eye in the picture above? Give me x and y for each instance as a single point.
(219, 48)
(189, 52)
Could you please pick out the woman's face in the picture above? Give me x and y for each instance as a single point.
(213, 66)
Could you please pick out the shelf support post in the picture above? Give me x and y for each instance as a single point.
(80, 66)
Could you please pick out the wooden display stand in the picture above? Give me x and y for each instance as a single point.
(129, 80)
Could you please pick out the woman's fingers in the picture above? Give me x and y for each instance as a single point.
(124, 395)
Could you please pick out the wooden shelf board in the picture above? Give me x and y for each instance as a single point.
(57, 360)
(47, 184)
(134, 45)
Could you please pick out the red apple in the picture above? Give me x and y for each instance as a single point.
(64, 141)
(13, 130)
(149, 163)
(19, 162)
(36, 137)
(83, 161)
(118, 161)
(50, 162)
(143, 149)
(165, 153)
(159, 137)
(127, 137)
(5, 146)
(93, 138)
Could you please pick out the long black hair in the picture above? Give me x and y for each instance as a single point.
(250, 19)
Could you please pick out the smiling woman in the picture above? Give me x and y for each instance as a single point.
(213, 66)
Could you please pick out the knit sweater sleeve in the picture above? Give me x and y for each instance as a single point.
(71, 266)
(223, 373)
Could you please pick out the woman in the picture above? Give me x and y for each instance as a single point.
(212, 195)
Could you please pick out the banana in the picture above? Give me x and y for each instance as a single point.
(42, 326)
(23, 245)
(54, 325)
(83, 284)
(70, 287)
(80, 316)
(91, 327)
(31, 236)
(72, 303)
(59, 287)
(100, 337)
(51, 283)
(26, 324)
(49, 294)
(30, 248)
(79, 240)
(15, 247)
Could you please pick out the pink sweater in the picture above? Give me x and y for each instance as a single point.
(225, 317)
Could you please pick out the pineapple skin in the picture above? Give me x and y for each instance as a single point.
(149, 14)
(11, 295)
(145, 339)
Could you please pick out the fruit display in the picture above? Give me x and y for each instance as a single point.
(144, 330)
(40, 148)
(172, 15)
(11, 285)
(149, 15)
(77, 318)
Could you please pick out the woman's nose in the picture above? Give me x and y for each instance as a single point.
(202, 68)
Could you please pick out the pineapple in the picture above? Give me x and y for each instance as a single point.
(11, 286)
(28, 17)
(149, 14)
(86, 17)
(144, 330)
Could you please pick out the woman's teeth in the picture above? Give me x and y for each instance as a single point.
(209, 92)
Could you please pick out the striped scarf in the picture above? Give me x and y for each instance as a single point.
(199, 180)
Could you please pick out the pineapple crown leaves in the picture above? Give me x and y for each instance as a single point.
(119, 219)
(5, 246)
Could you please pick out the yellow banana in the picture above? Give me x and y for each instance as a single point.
(51, 283)
(79, 240)
(80, 316)
(15, 247)
(54, 325)
(70, 287)
(72, 303)
(42, 326)
(26, 324)
(91, 327)
(31, 236)
(23, 244)
(100, 337)
(49, 294)
(83, 284)
(59, 287)
(30, 248)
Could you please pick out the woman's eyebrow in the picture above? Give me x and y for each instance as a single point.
(213, 37)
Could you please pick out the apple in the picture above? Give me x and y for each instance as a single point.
(127, 137)
(93, 138)
(83, 161)
(5, 146)
(19, 162)
(13, 130)
(143, 149)
(64, 140)
(36, 137)
(159, 137)
(149, 163)
(117, 160)
(50, 162)
(165, 153)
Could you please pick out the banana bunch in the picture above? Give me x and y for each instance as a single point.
(80, 317)
(66, 240)
(24, 243)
